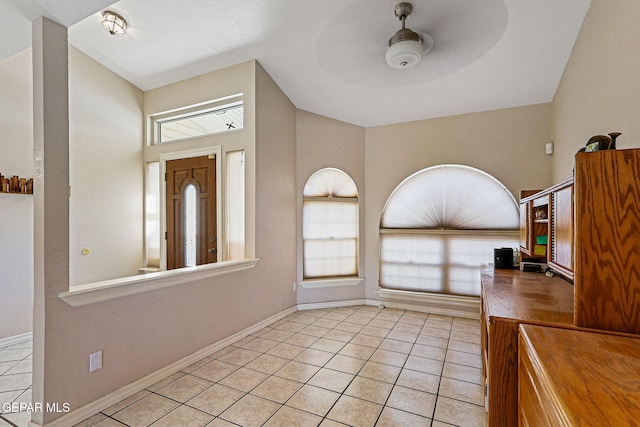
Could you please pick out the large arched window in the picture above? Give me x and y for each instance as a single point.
(440, 226)
(330, 225)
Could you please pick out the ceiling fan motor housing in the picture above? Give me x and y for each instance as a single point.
(405, 48)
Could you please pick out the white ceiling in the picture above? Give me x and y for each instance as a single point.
(328, 55)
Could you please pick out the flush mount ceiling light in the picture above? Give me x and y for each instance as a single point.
(405, 47)
(114, 23)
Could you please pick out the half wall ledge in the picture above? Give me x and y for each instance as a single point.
(92, 293)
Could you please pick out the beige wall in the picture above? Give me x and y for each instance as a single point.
(600, 89)
(508, 144)
(324, 142)
(16, 211)
(146, 332)
(106, 172)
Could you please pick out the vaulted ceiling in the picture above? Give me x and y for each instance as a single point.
(328, 55)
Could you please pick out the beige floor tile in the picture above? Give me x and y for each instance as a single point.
(239, 356)
(465, 347)
(330, 423)
(347, 364)
(277, 389)
(462, 373)
(303, 318)
(215, 399)
(468, 328)
(314, 357)
(200, 363)
(288, 417)
(146, 411)
(184, 416)
(9, 396)
(184, 388)
(277, 335)
(260, 344)
(367, 340)
(462, 390)
(359, 320)
(467, 359)
(414, 401)
(18, 418)
(349, 327)
(315, 331)
(387, 314)
(419, 381)
(250, 411)
(432, 341)
(369, 389)
(410, 337)
(297, 371)
(313, 399)
(459, 413)
(413, 319)
(380, 372)
(375, 331)
(301, 340)
(395, 418)
(22, 367)
(244, 379)
(437, 423)
(397, 346)
(408, 327)
(355, 412)
(423, 364)
(5, 366)
(215, 371)
(434, 332)
(286, 351)
(441, 318)
(357, 351)
(336, 316)
(15, 382)
(229, 348)
(332, 380)
(92, 421)
(388, 357)
(421, 350)
(219, 422)
(320, 312)
(14, 355)
(437, 324)
(464, 336)
(387, 324)
(291, 327)
(267, 363)
(325, 344)
(326, 323)
(339, 335)
(126, 402)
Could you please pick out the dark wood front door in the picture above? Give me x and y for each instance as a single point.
(200, 174)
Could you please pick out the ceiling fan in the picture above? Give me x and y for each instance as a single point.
(406, 47)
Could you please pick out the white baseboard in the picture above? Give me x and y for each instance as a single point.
(4, 342)
(331, 304)
(448, 305)
(90, 409)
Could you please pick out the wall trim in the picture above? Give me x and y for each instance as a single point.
(4, 342)
(92, 408)
(331, 304)
(448, 305)
(328, 283)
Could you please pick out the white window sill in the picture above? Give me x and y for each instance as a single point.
(91, 293)
(328, 283)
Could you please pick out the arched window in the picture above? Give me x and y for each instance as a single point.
(330, 225)
(440, 226)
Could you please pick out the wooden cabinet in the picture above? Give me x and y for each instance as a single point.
(561, 226)
(577, 378)
(607, 273)
(546, 218)
(509, 298)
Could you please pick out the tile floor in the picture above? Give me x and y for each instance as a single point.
(353, 366)
(15, 381)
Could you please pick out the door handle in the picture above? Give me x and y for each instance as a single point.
(212, 250)
(213, 239)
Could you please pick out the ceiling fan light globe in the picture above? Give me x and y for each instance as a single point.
(404, 54)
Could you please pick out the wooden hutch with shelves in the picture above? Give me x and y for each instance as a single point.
(592, 229)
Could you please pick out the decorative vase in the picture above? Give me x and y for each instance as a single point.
(613, 136)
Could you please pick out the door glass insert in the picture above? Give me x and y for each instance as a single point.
(190, 222)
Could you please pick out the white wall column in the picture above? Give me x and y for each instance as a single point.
(51, 188)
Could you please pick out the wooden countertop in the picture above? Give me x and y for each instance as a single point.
(514, 295)
(591, 378)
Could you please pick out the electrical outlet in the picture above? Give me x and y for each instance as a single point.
(95, 361)
(295, 286)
